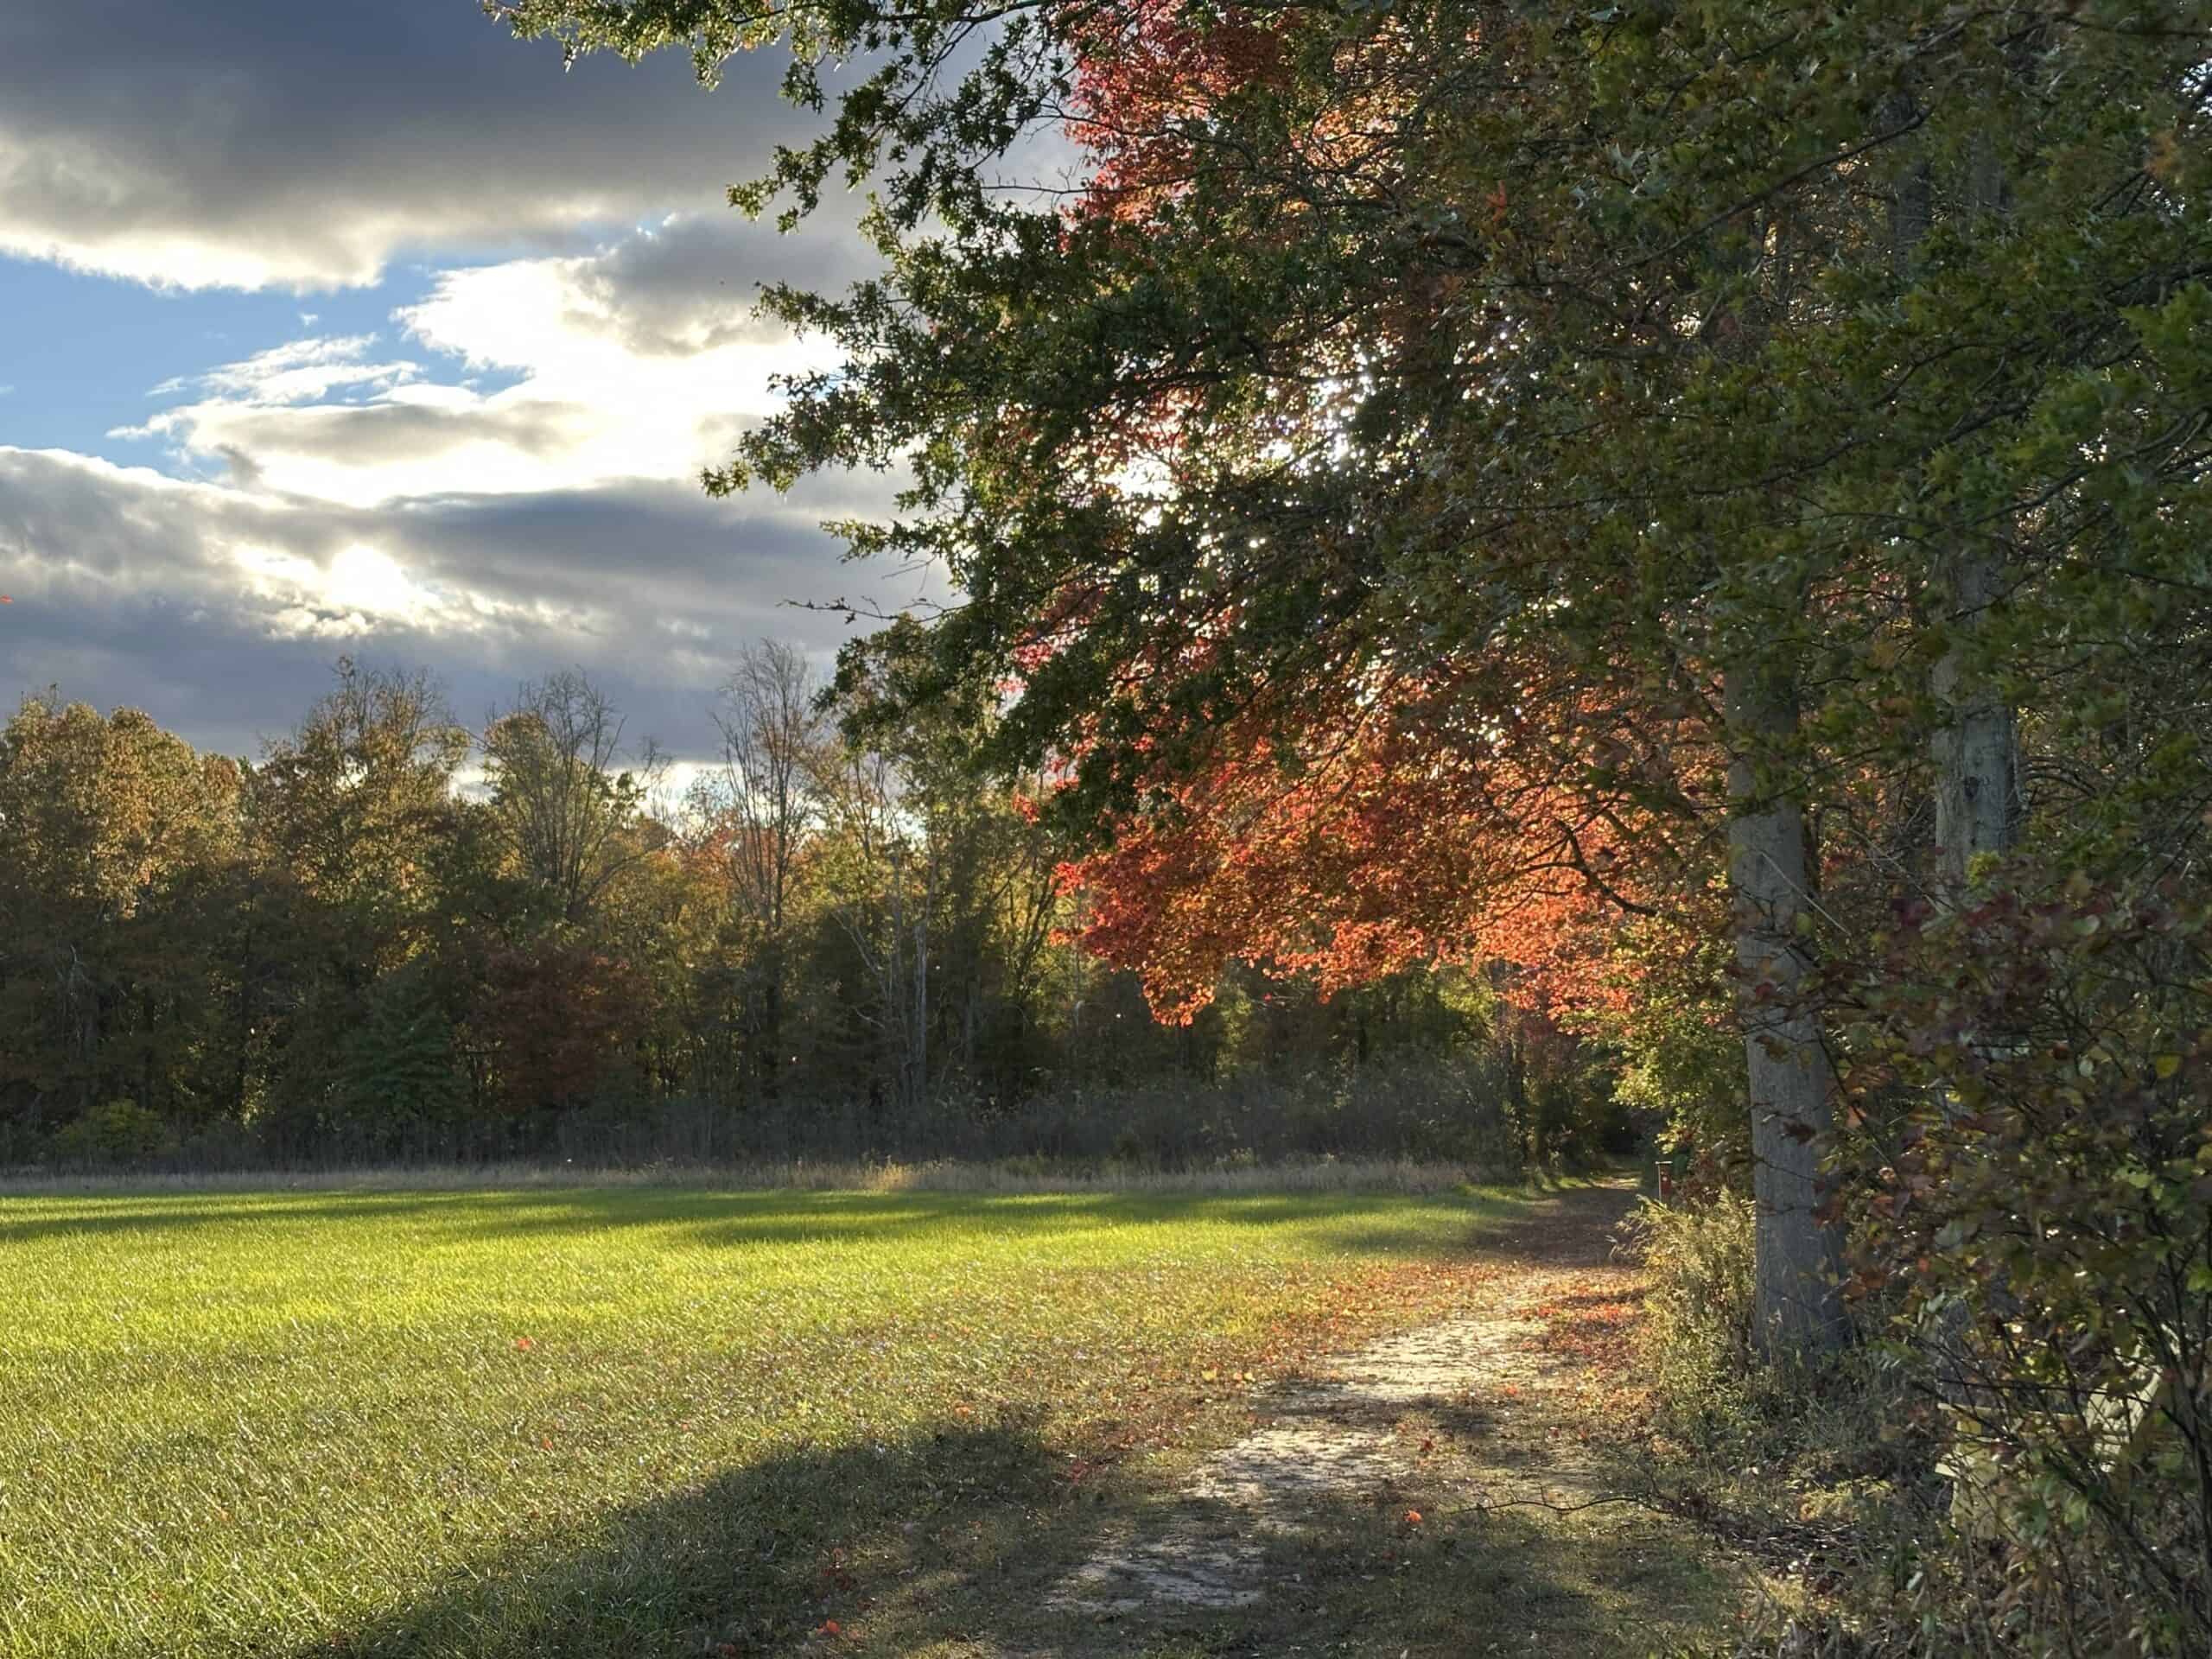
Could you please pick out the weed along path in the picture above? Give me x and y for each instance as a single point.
(1466, 1443)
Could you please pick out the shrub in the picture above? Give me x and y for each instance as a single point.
(1696, 1340)
(2035, 1151)
(116, 1131)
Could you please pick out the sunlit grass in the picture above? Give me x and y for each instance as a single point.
(607, 1419)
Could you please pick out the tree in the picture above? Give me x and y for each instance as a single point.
(1411, 345)
(757, 810)
(105, 826)
(879, 871)
(551, 762)
(349, 820)
(350, 807)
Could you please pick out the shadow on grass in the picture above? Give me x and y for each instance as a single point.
(1357, 1578)
(182, 1213)
(756, 1562)
(1357, 1222)
(958, 1541)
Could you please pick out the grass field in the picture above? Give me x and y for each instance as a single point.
(648, 1420)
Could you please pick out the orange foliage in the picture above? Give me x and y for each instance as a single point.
(1145, 73)
(1409, 843)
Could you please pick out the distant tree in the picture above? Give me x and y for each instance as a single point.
(757, 809)
(555, 1022)
(351, 821)
(105, 827)
(554, 763)
(351, 807)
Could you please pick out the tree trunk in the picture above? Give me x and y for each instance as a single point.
(1975, 748)
(1798, 1301)
(772, 1022)
(920, 1086)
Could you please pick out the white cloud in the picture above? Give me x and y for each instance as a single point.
(304, 369)
(588, 403)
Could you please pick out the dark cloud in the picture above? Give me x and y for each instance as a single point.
(651, 553)
(377, 433)
(693, 284)
(129, 589)
(305, 144)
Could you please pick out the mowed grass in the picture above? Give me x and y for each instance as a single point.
(635, 1420)
(587, 1419)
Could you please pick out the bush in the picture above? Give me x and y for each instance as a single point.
(2036, 1148)
(2026, 1157)
(1696, 1341)
(116, 1132)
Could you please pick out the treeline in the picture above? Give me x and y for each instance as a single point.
(390, 938)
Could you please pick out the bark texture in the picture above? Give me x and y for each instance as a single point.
(1798, 1300)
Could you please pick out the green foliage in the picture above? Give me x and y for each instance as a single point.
(2033, 1081)
(398, 1075)
(116, 1131)
(1698, 1344)
(1679, 1051)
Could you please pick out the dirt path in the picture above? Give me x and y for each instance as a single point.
(1472, 1413)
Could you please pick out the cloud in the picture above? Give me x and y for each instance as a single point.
(218, 609)
(690, 284)
(262, 143)
(634, 361)
(420, 440)
(302, 369)
(498, 478)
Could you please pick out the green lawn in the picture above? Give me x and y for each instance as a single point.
(633, 1421)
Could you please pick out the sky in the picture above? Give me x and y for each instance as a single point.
(365, 330)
